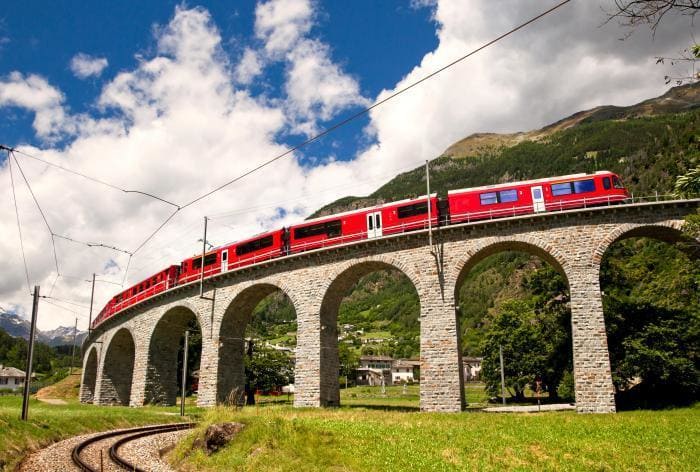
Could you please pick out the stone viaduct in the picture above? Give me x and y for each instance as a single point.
(131, 358)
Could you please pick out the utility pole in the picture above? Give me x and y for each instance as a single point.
(72, 351)
(30, 355)
(184, 372)
(503, 376)
(92, 298)
(204, 251)
(430, 216)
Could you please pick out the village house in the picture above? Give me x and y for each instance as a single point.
(11, 378)
(374, 369)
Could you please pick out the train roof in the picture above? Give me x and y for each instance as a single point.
(525, 182)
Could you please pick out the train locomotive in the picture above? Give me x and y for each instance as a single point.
(460, 206)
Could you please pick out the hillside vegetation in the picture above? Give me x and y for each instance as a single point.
(650, 288)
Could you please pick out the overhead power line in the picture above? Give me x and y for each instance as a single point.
(351, 118)
(374, 105)
(287, 152)
(19, 226)
(92, 179)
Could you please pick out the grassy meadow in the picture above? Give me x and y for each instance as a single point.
(280, 438)
(379, 431)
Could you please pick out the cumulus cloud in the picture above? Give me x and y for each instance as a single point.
(249, 67)
(316, 86)
(181, 122)
(34, 93)
(84, 66)
(282, 23)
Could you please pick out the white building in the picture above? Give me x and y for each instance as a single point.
(11, 378)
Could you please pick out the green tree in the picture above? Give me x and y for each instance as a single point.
(269, 369)
(517, 330)
(688, 184)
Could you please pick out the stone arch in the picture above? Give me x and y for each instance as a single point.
(340, 283)
(668, 232)
(239, 312)
(164, 346)
(118, 369)
(87, 387)
(490, 246)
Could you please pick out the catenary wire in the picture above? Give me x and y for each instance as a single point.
(351, 118)
(375, 105)
(48, 226)
(289, 151)
(93, 179)
(19, 226)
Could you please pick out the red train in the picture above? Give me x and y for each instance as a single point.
(460, 206)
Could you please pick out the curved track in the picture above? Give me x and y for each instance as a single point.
(123, 436)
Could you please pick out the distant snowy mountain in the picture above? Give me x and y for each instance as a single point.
(18, 327)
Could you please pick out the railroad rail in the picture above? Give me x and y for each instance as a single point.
(128, 436)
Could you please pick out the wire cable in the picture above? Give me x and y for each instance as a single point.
(93, 179)
(374, 105)
(53, 241)
(19, 226)
(91, 244)
(349, 119)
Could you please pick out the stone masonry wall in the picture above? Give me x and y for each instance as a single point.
(316, 282)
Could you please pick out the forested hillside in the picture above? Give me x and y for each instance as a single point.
(651, 289)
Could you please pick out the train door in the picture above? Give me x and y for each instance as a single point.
(374, 224)
(224, 260)
(537, 199)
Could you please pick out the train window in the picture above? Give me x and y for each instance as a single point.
(224, 256)
(412, 210)
(583, 186)
(488, 198)
(329, 228)
(209, 259)
(561, 189)
(378, 221)
(616, 182)
(254, 245)
(606, 183)
(507, 196)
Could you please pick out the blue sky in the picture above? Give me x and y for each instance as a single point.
(177, 98)
(375, 41)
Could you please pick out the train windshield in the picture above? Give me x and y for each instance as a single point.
(616, 182)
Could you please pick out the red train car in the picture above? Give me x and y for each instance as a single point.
(324, 231)
(534, 196)
(191, 269)
(256, 249)
(493, 201)
(147, 288)
(409, 215)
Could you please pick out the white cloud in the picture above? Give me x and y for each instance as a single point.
(34, 93)
(84, 66)
(316, 87)
(281, 23)
(249, 67)
(181, 123)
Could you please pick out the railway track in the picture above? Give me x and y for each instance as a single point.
(88, 455)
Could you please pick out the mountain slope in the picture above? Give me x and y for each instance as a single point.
(648, 144)
(18, 327)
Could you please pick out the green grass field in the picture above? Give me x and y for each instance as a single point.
(51, 423)
(281, 438)
(375, 431)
